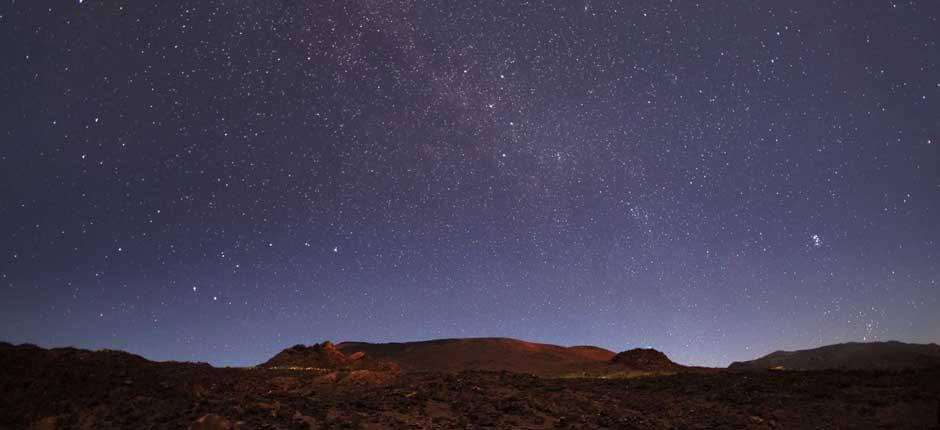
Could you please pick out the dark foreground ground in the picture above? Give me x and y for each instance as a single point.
(69, 388)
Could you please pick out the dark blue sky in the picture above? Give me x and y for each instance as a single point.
(217, 180)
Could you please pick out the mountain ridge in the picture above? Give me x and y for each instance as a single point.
(884, 355)
(65, 388)
(481, 353)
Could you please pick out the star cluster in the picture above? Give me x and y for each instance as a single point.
(216, 180)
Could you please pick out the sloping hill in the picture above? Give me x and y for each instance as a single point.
(646, 359)
(452, 355)
(854, 355)
(42, 356)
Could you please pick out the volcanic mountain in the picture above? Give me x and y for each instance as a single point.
(853, 355)
(454, 355)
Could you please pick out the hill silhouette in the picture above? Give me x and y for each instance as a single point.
(853, 355)
(645, 359)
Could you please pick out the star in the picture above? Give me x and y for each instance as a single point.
(573, 170)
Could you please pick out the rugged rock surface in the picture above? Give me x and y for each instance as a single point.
(872, 355)
(322, 355)
(325, 356)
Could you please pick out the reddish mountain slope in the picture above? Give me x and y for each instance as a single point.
(450, 355)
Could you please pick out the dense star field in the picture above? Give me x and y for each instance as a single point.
(217, 180)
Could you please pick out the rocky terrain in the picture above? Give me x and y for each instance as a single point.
(325, 356)
(321, 355)
(71, 388)
(871, 355)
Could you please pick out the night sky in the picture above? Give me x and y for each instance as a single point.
(218, 180)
